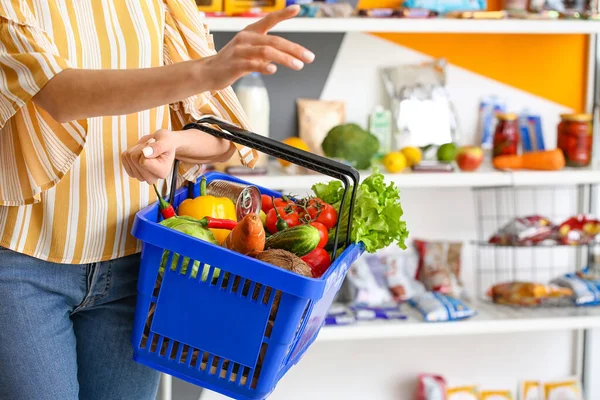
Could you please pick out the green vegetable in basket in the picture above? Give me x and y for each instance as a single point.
(189, 226)
(377, 219)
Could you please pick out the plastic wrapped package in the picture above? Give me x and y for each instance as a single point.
(438, 307)
(530, 390)
(421, 106)
(384, 279)
(443, 7)
(526, 231)
(431, 387)
(567, 389)
(495, 395)
(463, 393)
(439, 266)
(585, 288)
(579, 230)
(530, 294)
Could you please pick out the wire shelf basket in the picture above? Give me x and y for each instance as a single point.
(496, 207)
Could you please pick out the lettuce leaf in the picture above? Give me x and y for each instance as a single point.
(377, 218)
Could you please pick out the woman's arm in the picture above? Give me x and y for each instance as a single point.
(78, 93)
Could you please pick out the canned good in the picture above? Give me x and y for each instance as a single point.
(247, 198)
(506, 135)
(575, 139)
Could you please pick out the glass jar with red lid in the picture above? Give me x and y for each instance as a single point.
(506, 135)
(574, 138)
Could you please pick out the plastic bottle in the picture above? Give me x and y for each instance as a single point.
(380, 125)
(254, 98)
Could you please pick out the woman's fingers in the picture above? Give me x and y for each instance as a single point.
(267, 23)
(263, 56)
(300, 53)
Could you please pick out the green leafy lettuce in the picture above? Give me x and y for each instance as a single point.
(377, 217)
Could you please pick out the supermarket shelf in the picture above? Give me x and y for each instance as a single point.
(485, 177)
(508, 26)
(491, 319)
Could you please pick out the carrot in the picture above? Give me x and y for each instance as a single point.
(549, 160)
(248, 237)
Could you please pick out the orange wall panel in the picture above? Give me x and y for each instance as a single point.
(550, 66)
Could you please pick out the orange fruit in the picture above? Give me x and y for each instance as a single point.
(294, 142)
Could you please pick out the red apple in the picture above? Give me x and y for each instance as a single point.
(469, 158)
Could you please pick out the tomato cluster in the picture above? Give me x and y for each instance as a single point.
(284, 212)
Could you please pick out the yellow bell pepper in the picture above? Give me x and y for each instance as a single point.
(209, 206)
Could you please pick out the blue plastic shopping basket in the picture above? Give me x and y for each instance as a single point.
(227, 333)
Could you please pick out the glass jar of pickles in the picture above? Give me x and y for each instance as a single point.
(506, 135)
(574, 138)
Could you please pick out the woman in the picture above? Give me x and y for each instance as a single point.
(93, 95)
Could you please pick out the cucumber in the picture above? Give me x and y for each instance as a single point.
(299, 240)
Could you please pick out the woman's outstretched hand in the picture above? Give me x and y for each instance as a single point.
(253, 50)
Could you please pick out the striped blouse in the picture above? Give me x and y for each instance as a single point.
(64, 194)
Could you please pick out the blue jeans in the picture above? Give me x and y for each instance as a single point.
(65, 331)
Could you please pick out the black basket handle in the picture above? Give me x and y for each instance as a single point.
(285, 152)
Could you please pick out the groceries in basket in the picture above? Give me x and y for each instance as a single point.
(530, 294)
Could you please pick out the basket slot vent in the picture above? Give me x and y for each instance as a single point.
(181, 349)
(211, 274)
(180, 262)
(162, 342)
(173, 349)
(194, 358)
(221, 279)
(245, 287)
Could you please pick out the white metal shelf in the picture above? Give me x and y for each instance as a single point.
(485, 177)
(490, 319)
(507, 26)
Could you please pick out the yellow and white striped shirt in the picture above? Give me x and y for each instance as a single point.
(64, 195)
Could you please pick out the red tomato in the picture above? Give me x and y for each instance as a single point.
(267, 203)
(318, 260)
(291, 218)
(324, 214)
(283, 203)
(323, 233)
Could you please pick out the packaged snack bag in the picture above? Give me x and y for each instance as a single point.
(526, 231)
(495, 395)
(566, 389)
(384, 279)
(585, 288)
(530, 390)
(578, 230)
(439, 266)
(437, 307)
(431, 387)
(463, 393)
(529, 294)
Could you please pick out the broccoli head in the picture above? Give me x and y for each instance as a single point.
(351, 143)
